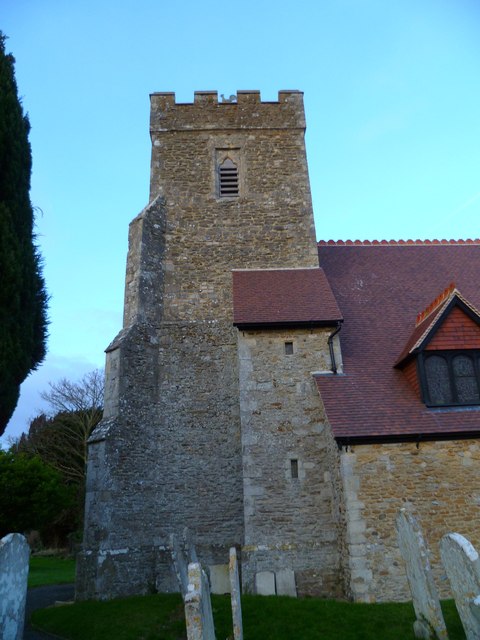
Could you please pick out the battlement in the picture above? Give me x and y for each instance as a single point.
(245, 110)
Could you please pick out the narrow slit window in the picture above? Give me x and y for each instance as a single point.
(294, 468)
(288, 348)
(228, 179)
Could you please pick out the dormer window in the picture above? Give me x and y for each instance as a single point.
(450, 377)
(228, 179)
(446, 346)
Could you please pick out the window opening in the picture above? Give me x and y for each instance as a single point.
(294, 468)
(228, 179)
(452, 378)
(288, 348)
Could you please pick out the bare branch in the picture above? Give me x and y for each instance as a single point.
(60, 437)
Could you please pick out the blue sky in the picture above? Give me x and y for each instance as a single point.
(392, 99)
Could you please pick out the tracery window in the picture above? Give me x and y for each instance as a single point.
(450, 377)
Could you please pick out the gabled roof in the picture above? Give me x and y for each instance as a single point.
(429, 320)
(283, 297)
(380, 289)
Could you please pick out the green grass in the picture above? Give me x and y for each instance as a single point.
(50, 570)
(160, 617)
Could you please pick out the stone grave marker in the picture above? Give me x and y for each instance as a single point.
(198, 607)
(285, 581)
(265, 583)
(235, 595)
(181, 557)
(189, 545)
(219, 579)
(179, 564)
(14, 555)
(429, 622)
(462, 565)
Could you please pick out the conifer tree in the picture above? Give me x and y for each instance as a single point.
(23, 297)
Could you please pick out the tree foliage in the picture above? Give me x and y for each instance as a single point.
(23, 297)
(32, 494)
(60, 439)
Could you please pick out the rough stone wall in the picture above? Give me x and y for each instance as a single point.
(290, 522)
(439, 481)
(168, 452)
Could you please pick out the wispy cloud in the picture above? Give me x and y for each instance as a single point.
(383, 125)
(465, 205)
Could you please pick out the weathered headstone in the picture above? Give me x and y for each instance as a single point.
(198, 607)
(285, 581)
(235, 595)
(189, 545)
(265, 583)
(181, 557)
(429, 622)
(219, 578)
(179, 564)
(14, 555)
(462, 565)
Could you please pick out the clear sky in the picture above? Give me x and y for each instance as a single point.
(392, 99)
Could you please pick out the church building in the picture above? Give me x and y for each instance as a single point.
(271, 392)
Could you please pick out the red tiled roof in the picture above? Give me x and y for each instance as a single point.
(380, 288)
(283, 296)
(429, 319)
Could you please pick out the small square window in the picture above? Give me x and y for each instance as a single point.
(288, 348)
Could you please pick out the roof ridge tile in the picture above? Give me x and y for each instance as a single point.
(435, 304)
(400, 242)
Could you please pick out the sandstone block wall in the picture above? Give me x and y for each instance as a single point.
(291, 515)
(439, 481)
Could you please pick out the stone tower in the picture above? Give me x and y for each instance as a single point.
(229, 190)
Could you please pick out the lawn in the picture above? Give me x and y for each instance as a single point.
(50, 570)
(160, 617)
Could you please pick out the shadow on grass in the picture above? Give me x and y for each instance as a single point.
(160, 617)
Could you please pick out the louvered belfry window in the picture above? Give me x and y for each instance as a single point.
(228, 179)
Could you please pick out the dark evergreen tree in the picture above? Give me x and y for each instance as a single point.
(23, 297)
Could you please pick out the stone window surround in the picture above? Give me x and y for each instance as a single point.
(289, 348)
(221, 151)
(300, 468)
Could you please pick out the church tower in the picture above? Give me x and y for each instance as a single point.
(229, 191)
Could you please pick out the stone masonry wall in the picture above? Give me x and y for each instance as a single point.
(290, 522)
(439, 481)
(168, 452)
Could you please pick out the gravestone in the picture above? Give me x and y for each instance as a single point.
(179, 564)
(235, 595)
(265, 583)
(462, 565)
(285, 581)
(14, 555)
(429, 622)
(181, 557)
(198, 607)
(219, 578)
(189, 545)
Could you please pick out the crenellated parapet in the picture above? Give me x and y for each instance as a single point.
(245, 109)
